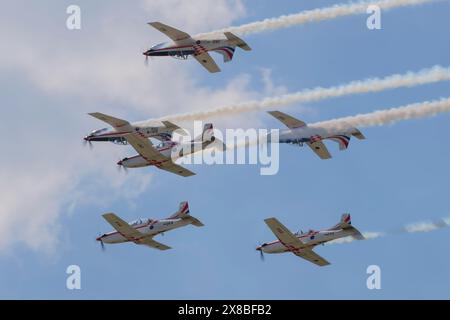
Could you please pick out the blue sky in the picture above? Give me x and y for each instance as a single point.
(54, 190)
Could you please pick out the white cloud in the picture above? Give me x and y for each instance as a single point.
(195, 16)
(101, 67)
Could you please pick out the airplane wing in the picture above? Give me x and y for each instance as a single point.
(172, 33)
(286, 237)
(144, 147)
(149, 242)
(175, 168)
(311, 256)
(122, 227)
(113, 122)
(208, 62)
(289, 121)
(320, 149)
(293, 243)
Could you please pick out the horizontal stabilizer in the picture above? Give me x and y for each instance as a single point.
(237, 41)
(358, 134)
(194, 221)
(174, 127)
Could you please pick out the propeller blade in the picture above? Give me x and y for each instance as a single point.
(121, 167)
(88, 142)
(261, 252)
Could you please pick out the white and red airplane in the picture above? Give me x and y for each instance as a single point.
(183, 46)
(302, 244)
(164, 155)
(300, 133)
(120, 128)
(142, 231)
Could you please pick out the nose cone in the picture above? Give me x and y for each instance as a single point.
(147, 53)
(99, 238)
(120, 163)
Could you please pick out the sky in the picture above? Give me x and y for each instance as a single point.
(53, 190)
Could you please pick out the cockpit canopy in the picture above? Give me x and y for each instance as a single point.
(164, 144)
(159, 46)
(140, 221)
(95, 132)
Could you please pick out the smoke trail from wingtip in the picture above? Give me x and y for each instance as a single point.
(390, 116)
(315, 15)
(409, 79)
(419, 227)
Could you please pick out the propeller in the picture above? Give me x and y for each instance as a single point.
(102, 245)
(146, 56)
(88, 142)
(261, 252)
(121, 167)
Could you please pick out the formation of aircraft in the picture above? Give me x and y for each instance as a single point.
(142, 231)
(302, 244)
(183, 46)
(120, 128)
(300, 133)
(163, 155)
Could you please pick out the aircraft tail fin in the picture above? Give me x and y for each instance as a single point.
(207, 134)
(235, 40)
(182, 211)
(208, 139)
(342, 139)
(227, 52)
(346, 224)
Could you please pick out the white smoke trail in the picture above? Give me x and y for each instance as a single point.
(409, 79)
(419, 227)
(367, 236)
(315, 15)
(383, 117)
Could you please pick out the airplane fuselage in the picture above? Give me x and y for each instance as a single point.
(192, 46)
(311, 134)
(311, 239)
(148, 227)
(169, 149)
(118, 136)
